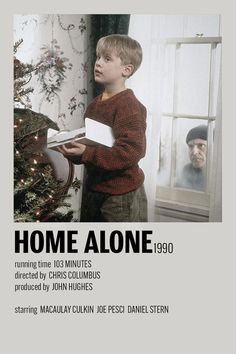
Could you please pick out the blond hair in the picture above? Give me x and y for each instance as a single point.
(124, 47)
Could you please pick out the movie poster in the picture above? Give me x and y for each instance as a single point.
(130, 279)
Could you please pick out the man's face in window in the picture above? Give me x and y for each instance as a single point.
(198, 152)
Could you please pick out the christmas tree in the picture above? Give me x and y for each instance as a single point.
(38, 193)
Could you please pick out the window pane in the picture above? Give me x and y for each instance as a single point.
(168, 78)
(191, 155)
(164, 160)
(193, 86)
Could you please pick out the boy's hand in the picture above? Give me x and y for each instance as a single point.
(75, 149)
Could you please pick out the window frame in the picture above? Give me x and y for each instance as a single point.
(181, 199)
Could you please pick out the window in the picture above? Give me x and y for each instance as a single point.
(178, 82)
(190, 89)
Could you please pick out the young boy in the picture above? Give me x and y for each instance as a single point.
(113, 191)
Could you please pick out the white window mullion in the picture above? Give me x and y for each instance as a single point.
(210, 142)
(193, 40)
(175, 109)
(188, 116)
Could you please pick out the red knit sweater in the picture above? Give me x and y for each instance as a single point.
(115, 170)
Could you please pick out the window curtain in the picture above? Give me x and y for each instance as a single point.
(103, 25)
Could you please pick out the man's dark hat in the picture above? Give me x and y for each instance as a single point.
(199, 132)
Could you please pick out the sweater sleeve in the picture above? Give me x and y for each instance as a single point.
(129, 146)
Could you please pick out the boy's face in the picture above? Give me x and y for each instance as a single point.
(108, 69)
